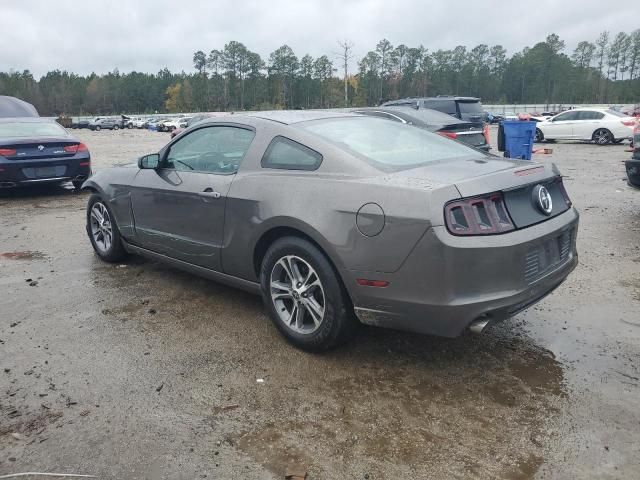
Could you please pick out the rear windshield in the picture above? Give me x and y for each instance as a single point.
(388, 145)
(31, 129)
(470, 107)
(616, 113)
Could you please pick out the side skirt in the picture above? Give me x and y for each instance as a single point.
(246, 285)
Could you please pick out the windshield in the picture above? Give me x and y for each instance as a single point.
(387, 144)
(31, 129)
(470, 107)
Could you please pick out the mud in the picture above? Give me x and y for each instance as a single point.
(141, 371)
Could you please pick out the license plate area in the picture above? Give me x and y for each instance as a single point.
(547, 256)
(33, 173)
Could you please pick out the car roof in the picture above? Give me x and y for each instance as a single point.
(289, 117)
(26, 120)
(439, 97)
(12, 107)
(426, 115)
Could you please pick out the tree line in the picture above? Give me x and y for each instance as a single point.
(606, 70)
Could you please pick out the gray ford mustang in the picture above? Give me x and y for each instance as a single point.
(337, 219)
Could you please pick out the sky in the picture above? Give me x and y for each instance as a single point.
(147, 35)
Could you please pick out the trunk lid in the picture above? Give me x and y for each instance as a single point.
(30, 149)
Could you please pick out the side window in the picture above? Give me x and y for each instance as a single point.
(287, 154)
(566, 116)
(216, 149)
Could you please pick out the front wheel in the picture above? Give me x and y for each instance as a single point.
(602, 136)
(304, 296)
(103, 230)
(116, 127)
(97, 128)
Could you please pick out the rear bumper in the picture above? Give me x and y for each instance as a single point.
(449, 282)
(29, 172)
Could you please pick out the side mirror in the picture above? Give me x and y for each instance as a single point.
(150, 161)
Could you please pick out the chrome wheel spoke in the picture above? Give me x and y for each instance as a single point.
(315, 310)
(297, 294)
(101, 228)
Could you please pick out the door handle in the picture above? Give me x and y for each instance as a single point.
(210, 193)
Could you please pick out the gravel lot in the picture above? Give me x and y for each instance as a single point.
(139, 371)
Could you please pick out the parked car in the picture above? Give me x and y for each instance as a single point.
(164, 125)
(633, 165)
(335, 217)
(138, 122)
(602, 126)
(80, 124)
(192, 121)
(433, 121)
(175, 123)
(104, 124)
(37, 150)
(464, 108)
(493, 117)
(152, 124)
(12, 107)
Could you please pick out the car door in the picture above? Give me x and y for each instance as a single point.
(561, 126)
(179, 207)
(586, 124)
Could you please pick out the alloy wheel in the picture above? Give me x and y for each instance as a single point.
(602, 137)
(297, 294)
(101, 228)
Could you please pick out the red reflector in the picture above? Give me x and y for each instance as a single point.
(85, 164)
(628, 123)
(372, 283)
(485, 132)
(7, 152)
(529, 171)
(80, 147)
(448, 134)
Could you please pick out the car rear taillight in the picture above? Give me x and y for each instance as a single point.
(452, 135)
(80, 147)
(484, 215)
(485, 132)
(564, 192)
(628, 123)
(7, 152)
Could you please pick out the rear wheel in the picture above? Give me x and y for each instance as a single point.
(304, 296)
(97, 128)
(103, 230)
(116, 127)
(130, 125)
(539, 136)
(602, 136)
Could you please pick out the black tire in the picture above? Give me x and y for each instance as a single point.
(97, 128)
(618, 141)
(77, 184)
(116, 251)
(602, 136)
(116, 127)
(130, 126)
(539, 136)
(338, 323)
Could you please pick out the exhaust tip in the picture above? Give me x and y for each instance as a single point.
(477, 326)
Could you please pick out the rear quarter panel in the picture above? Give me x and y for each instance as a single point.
(324, 207)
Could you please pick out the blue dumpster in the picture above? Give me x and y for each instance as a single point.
(518, 138)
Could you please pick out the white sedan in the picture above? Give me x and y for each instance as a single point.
(600, 125)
